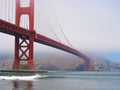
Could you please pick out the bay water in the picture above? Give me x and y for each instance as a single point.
(60, 80)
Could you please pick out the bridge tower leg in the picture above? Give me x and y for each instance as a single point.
(88, 65)
(23, 57)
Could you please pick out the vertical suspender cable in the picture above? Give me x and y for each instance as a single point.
(24, 21)
(44, 22)
(9, 10)
(0, 9)
(5, 6)
(44, 27)
(13, 14)
(12, 11)
(3, 10)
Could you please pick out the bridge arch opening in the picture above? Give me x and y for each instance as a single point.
(24, 3)
(24, 21)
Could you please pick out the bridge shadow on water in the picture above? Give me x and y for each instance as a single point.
(22, 85)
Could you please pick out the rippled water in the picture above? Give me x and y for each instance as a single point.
(60, 80)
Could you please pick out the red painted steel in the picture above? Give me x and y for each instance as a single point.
(23, 44)
(14, 30)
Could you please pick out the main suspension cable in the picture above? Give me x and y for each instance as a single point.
(62, 31)
(53, 30)
(48, 26)
(60, 27)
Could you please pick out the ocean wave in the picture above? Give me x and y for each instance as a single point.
(50, 77)
(19, 77)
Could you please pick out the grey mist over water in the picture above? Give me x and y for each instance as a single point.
(60, 80)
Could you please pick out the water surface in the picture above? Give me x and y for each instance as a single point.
(60, 80)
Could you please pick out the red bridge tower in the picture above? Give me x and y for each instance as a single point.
(23, 56)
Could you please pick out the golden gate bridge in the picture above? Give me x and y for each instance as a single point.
(25, 37)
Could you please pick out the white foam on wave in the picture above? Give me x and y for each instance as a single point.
(19, 77)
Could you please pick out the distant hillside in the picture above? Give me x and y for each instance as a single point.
(59, 62)
(63, 61)
(106, 65)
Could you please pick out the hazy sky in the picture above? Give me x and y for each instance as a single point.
(90, 25)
